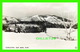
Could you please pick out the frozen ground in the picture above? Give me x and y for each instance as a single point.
(11, 39)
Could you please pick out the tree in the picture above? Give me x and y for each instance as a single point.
(69, 30)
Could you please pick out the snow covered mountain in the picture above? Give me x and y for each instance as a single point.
(7, 19)
(51, 20)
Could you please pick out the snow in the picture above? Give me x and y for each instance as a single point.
(11, 39)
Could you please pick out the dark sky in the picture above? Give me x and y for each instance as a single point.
(67, 10)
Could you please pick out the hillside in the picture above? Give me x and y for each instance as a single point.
(52, 21)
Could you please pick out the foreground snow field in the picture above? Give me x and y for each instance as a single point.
(11, 39)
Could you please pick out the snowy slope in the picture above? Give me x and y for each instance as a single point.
(11, 39)
(7, 19)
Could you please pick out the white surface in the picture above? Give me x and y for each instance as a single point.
(11, 39)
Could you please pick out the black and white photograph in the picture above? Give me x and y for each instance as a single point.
(46, 25)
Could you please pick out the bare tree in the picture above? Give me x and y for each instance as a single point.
(69, 30)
